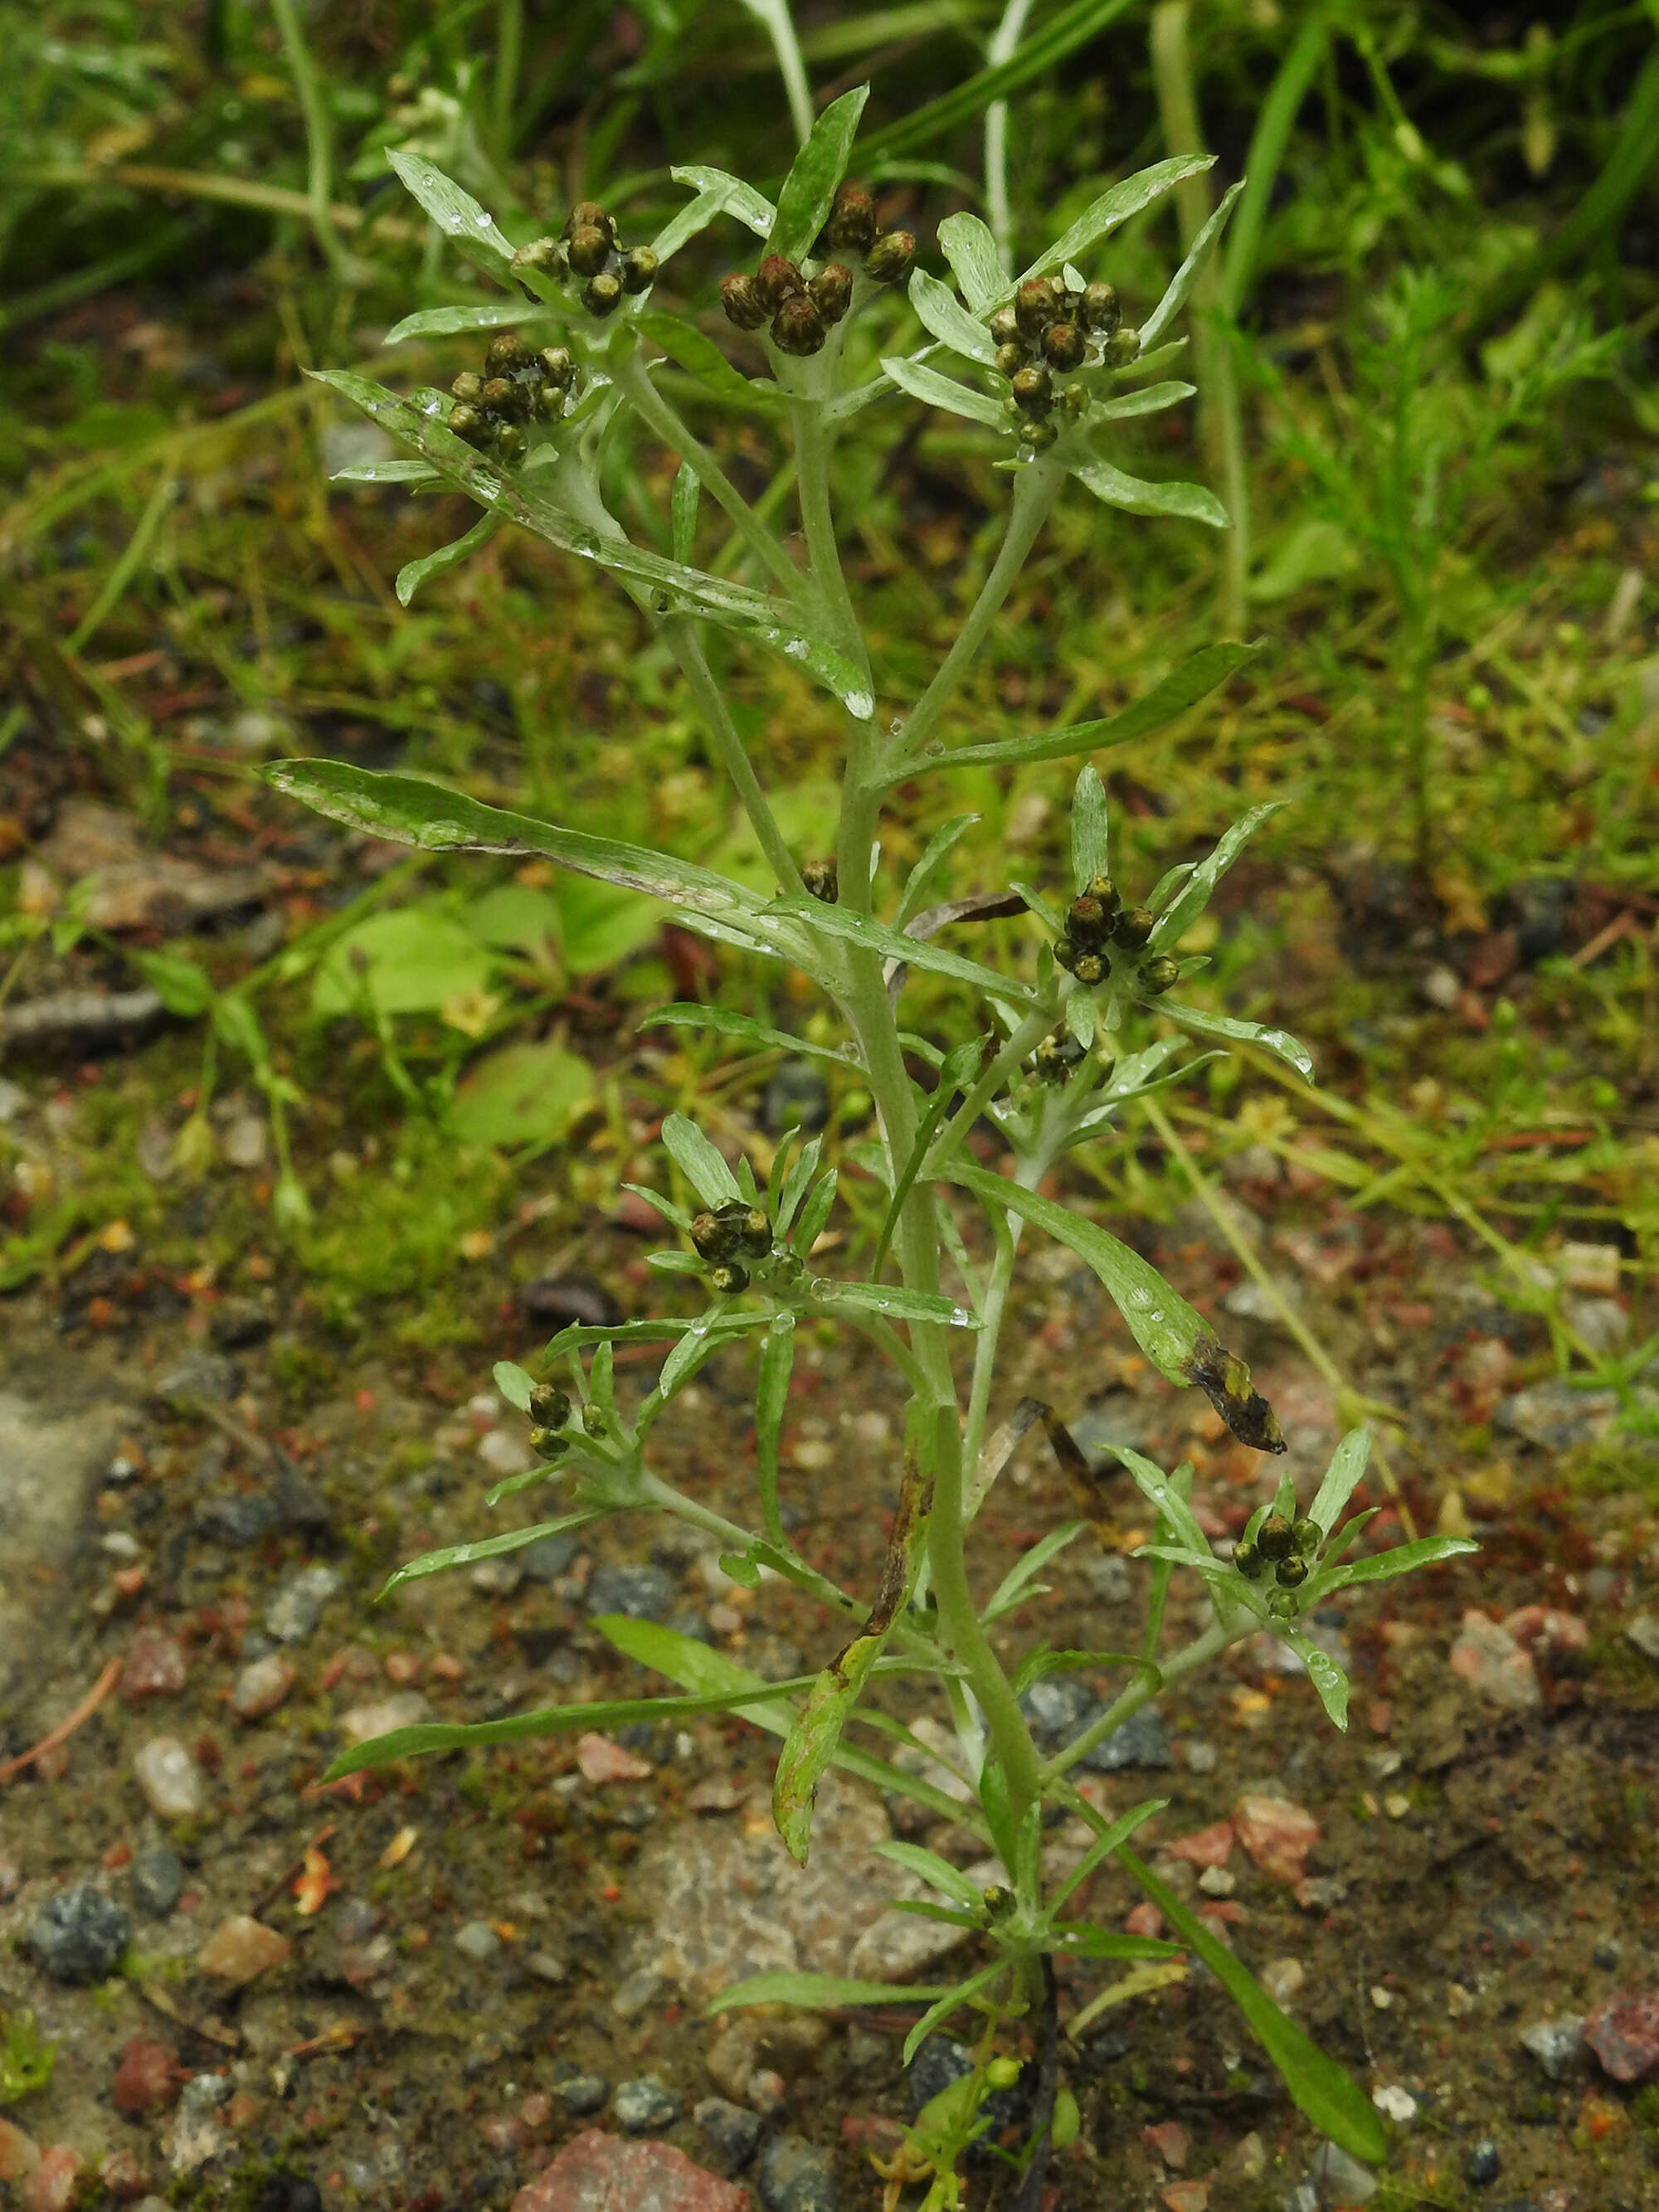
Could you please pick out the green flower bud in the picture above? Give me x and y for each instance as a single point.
(638, 270)
(550, 1406)
(1282, 1605)
(1100, 311)
(1275, 1537)
(602, 295)
(1308, 1533)
(557, 366)
(798, 327)
(711, 1236)
(1039, 436)
(1289, 1573)
(1010, 359)
(592, 1421)
(467, 386)
(511, 444)
(545, 256)
(548, 1443)
(891, 258)
(1055, 1057)
(831, 291)
(469, 423)
(1132, 926)
(1122, 348)
(729, 1280)
(1063, 344)
(505, 353)
(1066, 952)
(1103, 889)
(1248, 1561)
(506, 398)
(823, 879)
(776, 280)
(589, 249)
(1034, 306)
(1091, 969)
(1075, 401)
(1014, 414)
(1087, 918)
(851, 228)
(1157, 974)
(1005, 327)
(549, 404)
(588, 214)
(740, 298)
(999, 1902)
(1034, 391)
(755, 1233)
(1002, 2073)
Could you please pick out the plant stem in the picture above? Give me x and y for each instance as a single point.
(509, 49)
(813, 446)
(1007, 36)
(952, 1137)
(1128, 1702)
(985, 1355)
(319, 140)
(1035, 488)
(687, 648)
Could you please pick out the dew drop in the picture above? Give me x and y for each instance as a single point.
(860, 705)
(482, 220)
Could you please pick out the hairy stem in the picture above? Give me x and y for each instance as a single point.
(682, 634)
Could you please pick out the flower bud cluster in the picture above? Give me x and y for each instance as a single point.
(1051, 330)
(587, 253)
(726, 1236)
(550, 1409)
(1288, 1547)
(1098, 924)
(801, 310)
(519, 387)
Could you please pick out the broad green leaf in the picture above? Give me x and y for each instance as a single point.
(665, 586)
(939, 311)
(1323, 1672)
(1151, 399)
(1010, 1590)
(1403, 1559)
(683, 509)
(1324, 2092)
(521, 1096)
(551, 1720)
(1091, 853)
(736, 198)
(454, 322)
(697, 354)
(698, 1161)
(1194, 679)
(726, 1021)
(1103, 217)
(818, 167)
(934, 854)
(938, 1873)
(456, 213)
(1342, 1478)
(514, 1385)
(817, 1992)
(487, 1548)
(927, 385)
(771, 1396)
(183, 986)
(1202, 1024)
(1191, 502)
(971, 250)
(893, 1301)
(1176, 1340)
(412, 960)
(952, 2001)
(1193, 897)
(1184, 278)
(1109, 1840)
(414, 574)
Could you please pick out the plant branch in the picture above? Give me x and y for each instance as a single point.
(319, 141)
(1128, 1702)
(687, 648)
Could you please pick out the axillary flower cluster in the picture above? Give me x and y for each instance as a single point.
(1056, 325)
(802, 310)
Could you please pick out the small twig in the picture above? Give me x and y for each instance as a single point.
(210, 2031)
(268, 1896)
(65, 1728)
(1622, 924)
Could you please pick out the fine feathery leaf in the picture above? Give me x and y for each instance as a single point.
(818, 167)
(1090, 851)
(414, 574)
(927, 385)
(1193, 680)
(1191, 502)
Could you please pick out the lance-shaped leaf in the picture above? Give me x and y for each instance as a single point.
(487, 1548)
(939, 1874)
(1175, 1339)
(1090, 846)
(698, 354)
(663, 585)
(385, 473)
(735, 197)
(971, 250)
(698, 1162)
(683, 512)
(893, 1301)
(456, 213)
(1016, 1585)
(1193, 680)
(1151, 399)
(455, 322)
(927, 384)
(934, 854)
(816, 1212)
(1403, 1559)
(874, 936)
(1323, 1672)
(1109, 1840)
(1191, 502)
(1342, 1478)
(726, 1021)
(952, 2001)
(1203, 1023)
(808, 1993)
(1184, 910)
(414, 574)
(514, 1385)
(1187, 275)
(771, 1396)
(795, 1184)
(939, 310)
(818, 167)
(1104, 215)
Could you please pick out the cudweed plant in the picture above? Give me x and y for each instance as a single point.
(1093, 1019)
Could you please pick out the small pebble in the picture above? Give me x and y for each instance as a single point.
(1555, 2044)
(79, 1936)
(730, 2129)
(297, 1608)
(639, 1593)
(240, 1949)
(1483, 2164)
(170, 1779)
(154, 1666)
(797, 2176)
(1395, 2104)
(158, 1881)
(643, 2106)
(478, 1940)
(637, 1994)
(363, 1722)
(582, 2093)
(261, 1686)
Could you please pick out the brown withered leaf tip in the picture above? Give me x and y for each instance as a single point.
(915, 1502)
(1224, 1380)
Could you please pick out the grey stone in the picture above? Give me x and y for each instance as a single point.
(547, 1559)
(1483, 2163)
(236, 1323)
(240, 1517)
(643, 2107)
(80, 1935)
(55, 1444)
(198, 2136)
(796, 1098)
(1059, 1707)
(730, 2129)
(1557, 1417)
(637, 1994)
(797, 2176)
(200, 1376)
(1557, 2045)
(1644, 1632)
(296, 1609)
(158, 1881)
(478, 1940)
(1339, 2178)
(641, 1592)
(1143, 1741)
(582, 2093)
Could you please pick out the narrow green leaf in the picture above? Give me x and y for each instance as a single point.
(682, 513)
(725, 1021)
(456, 213)
(1403, 1559)
(1010, 1590)
(601, 1380)
(817, 1992)
(698, 354)
(1323, 2091)
(934, 854)
(414, 574)
(898, 945)
(1323, 1672)
(1091, 852)
(1190, 502)
(1082, 1940)
(675, 1215)
(1342, 1478)
(1109, 1840)
(940, 312)
(1279, 1041)
(811, 1743)
(952, 2001)
(1080, 1016)
(455, 322)
(967, 246)
(698, 1161)
(1104, 215)
(796, 1184)
(1184, 278)
(928, 1867)
(736, 198)
(816, 1212)
(514, 1385)
(818, 167)
(183, 988)
(1194, 679)
(1160, 1490)
(487, 1548)
(958, 1070)
(1151, 399)
(1275, 120)
(771, 1396)
(893, 1301)
(387, 472)
(936, 391)
(1195, 895)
